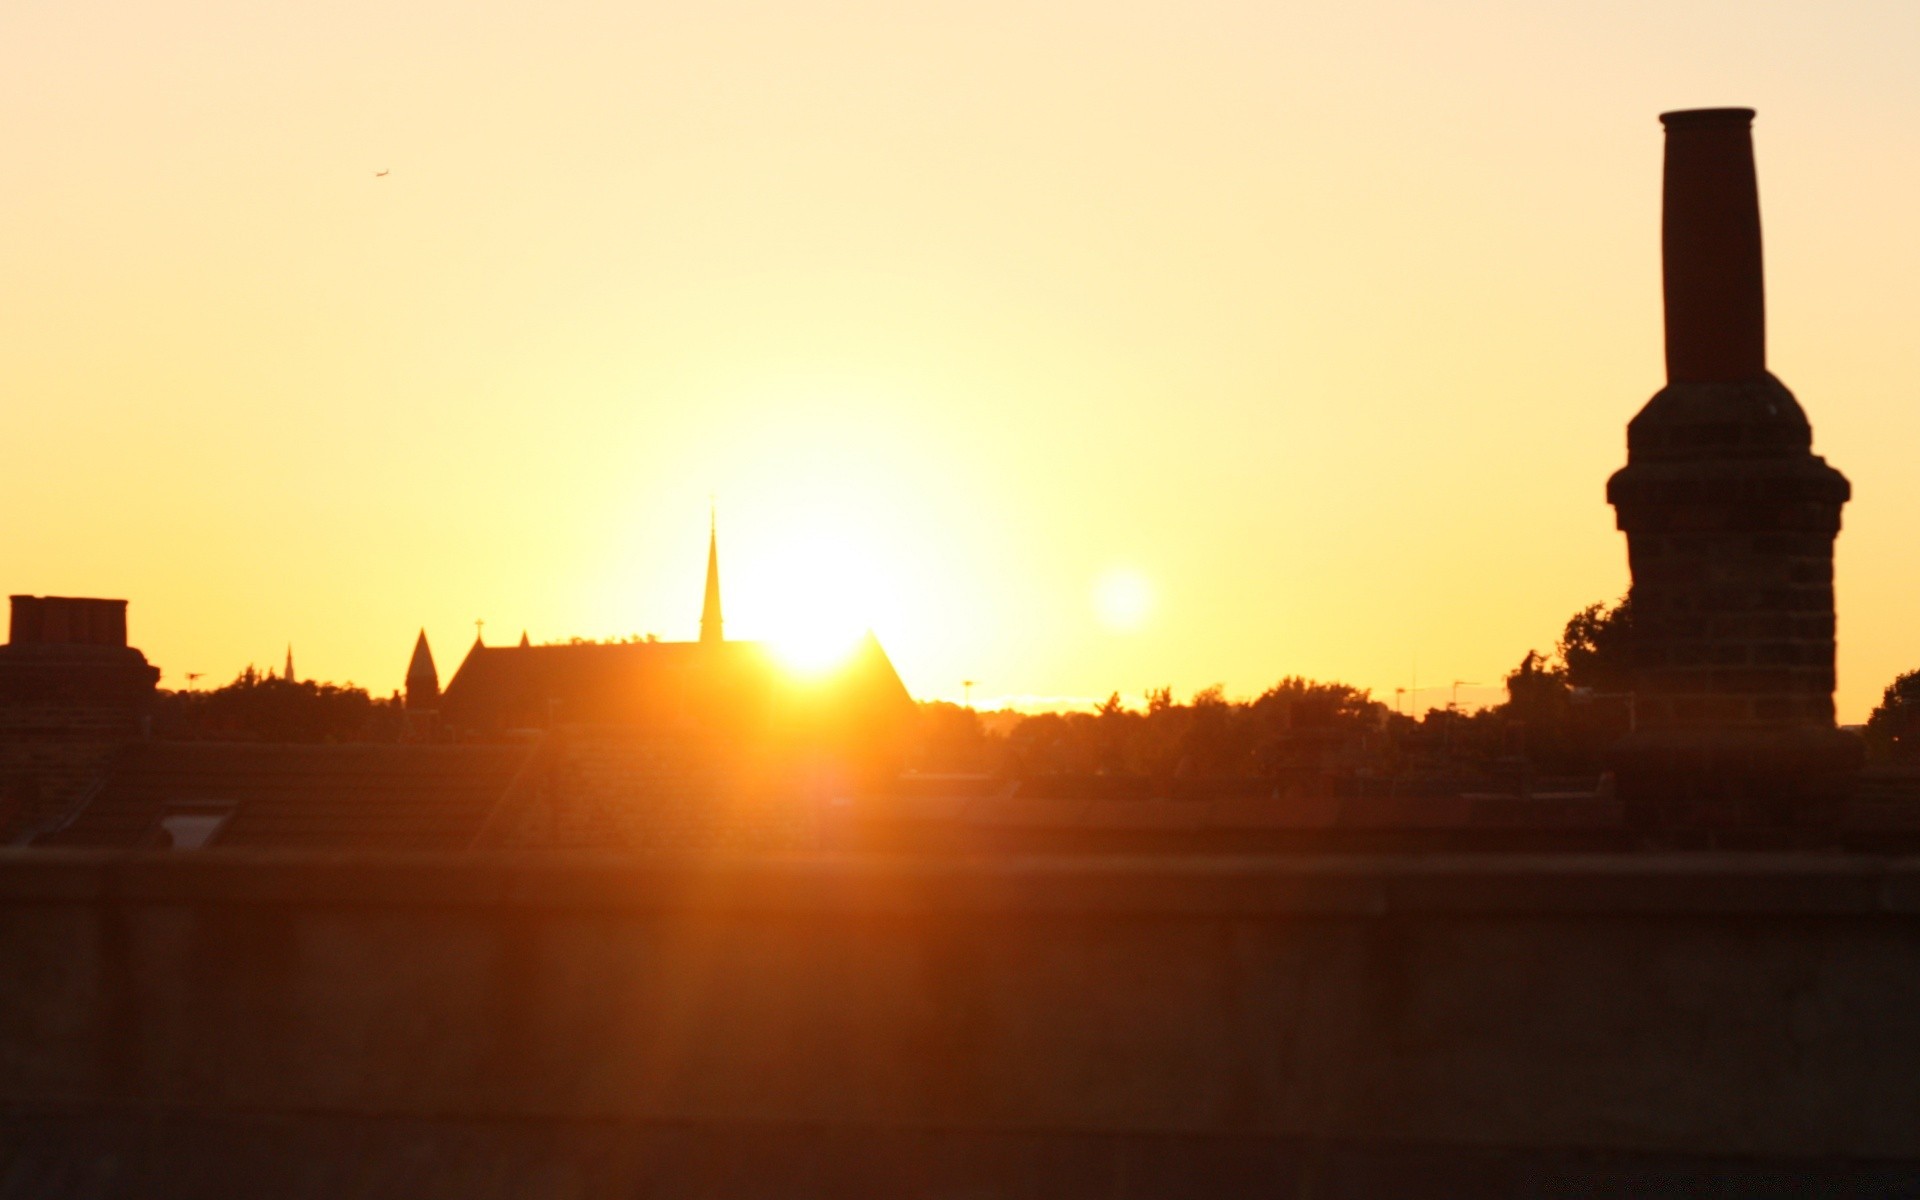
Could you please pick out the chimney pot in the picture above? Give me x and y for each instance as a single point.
(1710, 241)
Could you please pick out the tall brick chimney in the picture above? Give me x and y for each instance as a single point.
(1730, 520)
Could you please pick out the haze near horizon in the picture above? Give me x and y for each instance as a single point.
(1072, 348)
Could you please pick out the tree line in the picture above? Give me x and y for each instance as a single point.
(258, 707)
(1563, 710)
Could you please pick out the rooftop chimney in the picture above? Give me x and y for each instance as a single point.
(1730, 520)
(68, 621)
(71, 693)
(1710, 243)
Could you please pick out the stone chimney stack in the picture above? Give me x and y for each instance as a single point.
(71, 693)
(71, 652)
(1730, 521)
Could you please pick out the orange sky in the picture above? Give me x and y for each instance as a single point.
(1091, 346)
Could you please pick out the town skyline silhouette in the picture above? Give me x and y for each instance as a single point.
(1321, 360)
(1297, 600)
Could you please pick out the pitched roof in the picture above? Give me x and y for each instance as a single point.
(664, 686)
(360, 797)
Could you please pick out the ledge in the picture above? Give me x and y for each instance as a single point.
(1733, 885)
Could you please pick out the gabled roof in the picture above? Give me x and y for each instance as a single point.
(663, 686)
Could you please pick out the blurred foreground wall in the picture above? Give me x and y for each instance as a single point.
(222, 1023)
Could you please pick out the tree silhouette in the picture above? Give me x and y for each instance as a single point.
(1298, 725)
(1893, 728)
(263, 708)
(1596, 647)
(1565, 710)
(947, 738)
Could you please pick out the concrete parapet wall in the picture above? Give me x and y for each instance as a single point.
(1747, 1006)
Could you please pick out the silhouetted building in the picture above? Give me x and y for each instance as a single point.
(71, 692)
(711, 693)
(423, 681)
(661, 687)
(1730, 521)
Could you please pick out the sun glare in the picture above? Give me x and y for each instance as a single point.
(816, 652)
(822, 612)
(1122, 600)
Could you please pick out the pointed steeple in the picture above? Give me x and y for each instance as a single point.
(524, 642)
(423, 682)
(289, 675)
(710, 622)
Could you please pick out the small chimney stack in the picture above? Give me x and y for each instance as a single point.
(72, 692)
(67, 621)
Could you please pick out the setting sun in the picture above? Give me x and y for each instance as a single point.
(825, 604)
(818, 650)
(1122, 600)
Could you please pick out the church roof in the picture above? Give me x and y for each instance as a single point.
(712, 686)
(662, 686)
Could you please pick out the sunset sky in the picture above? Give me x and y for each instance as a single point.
(1072, 346)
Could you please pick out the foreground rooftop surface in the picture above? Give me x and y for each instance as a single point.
(245, 1023)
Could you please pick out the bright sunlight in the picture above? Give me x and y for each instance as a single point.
(1122, 600)
(824, 610)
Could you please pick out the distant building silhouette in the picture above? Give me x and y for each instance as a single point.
(423, 682)
(71, 692)
(713, 691)
(1730, 522)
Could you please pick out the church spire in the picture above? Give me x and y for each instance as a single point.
(710, 623)
(423, 682)
(289, 675)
